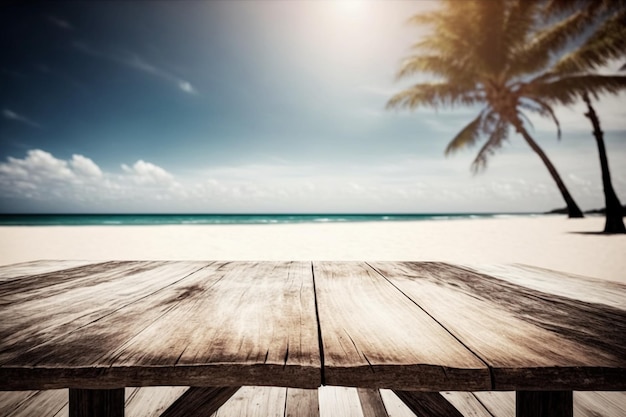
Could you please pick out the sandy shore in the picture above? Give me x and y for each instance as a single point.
(546, 241)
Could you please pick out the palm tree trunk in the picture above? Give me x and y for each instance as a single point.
(573, 211)
(614, 217)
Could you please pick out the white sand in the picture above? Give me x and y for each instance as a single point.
(546, 241)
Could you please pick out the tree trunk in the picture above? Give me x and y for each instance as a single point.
(573, 211)
(614, 217)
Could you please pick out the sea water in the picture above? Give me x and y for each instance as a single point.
(213, 219)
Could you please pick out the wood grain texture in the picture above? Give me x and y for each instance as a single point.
(499, 403)
(467, 404)
(41, 311)
(374, 336)
(431, 404)
(544, 404)
(302, 403)
(339, 401)
(139, 402)
(25, 269)
(530, 339)
(403, 325)
(255, 402)
(600, 404)
(394, 406)
(217, 325)
(246, 322)
(97, 403)
(200, 401)
(32, 403)
(591, 290)
(371, 402)
(150, 401)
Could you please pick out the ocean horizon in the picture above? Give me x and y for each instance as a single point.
(121, 219)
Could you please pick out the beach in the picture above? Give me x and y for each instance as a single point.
(554, 242)
(574, 246)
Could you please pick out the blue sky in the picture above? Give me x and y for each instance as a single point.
(254, 106)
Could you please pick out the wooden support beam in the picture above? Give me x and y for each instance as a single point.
(372, 403)
(302, 403)
(200, 401)
(544, 404)
(96, 402)
(431, 404)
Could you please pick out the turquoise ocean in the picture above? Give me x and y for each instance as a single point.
(216, 219)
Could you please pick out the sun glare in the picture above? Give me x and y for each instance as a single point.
(349, 7)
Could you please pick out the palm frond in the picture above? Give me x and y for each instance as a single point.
(591, 6)
(433, 64)
(489, 38)
(499, 135)
(451, 33)
(569, 89)
(520, 22)
(522, 115)
(435, 95)
(543, 109)
(608, 42)
(467, 137)
(490, 120)
(536, 55)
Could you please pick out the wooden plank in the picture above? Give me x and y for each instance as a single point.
(374, 336)
(96, 403)
(431, 404)
(255, 402)
(395, 406)
(41, 311)
(499, 403)
(572, 286)
(544, 404)
(586, 403)
(228, 323)
(467, 404)
(339, 401)
(600, 404)
(200, 401)
(371, 402)
(11, 401)
(32, 403)
(24, 269)
(247, 323)
(302, 403)
(531, 340)
(139, 402)
(151, 401)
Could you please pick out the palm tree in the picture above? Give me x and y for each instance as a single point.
(498, 55)
(607, 42)
(614, 212)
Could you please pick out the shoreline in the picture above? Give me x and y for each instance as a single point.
(568, 245)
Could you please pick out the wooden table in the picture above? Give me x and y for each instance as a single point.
(415, 327)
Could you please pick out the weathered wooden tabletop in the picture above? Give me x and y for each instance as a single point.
(410, 326)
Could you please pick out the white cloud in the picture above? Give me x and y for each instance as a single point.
(38, 166)
(78, 183)
(145, 173)
(186, 87)
(11, 115)
(136, 62)
(85, 166)
(513, 182)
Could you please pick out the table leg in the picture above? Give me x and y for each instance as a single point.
(96, 402)
(544, 404)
